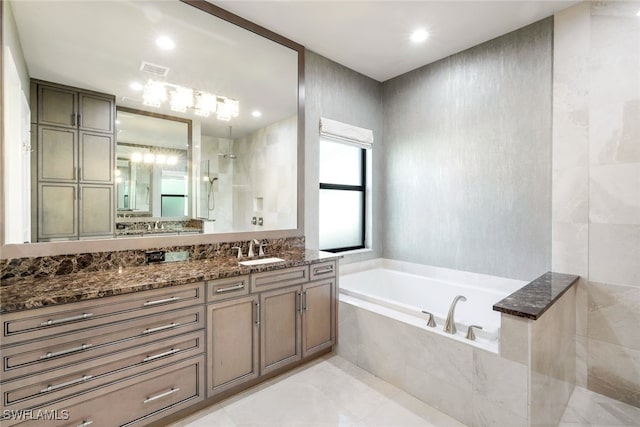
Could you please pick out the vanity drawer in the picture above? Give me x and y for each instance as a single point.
(135, 401)
(229, 287)
(33, 357)
(68, 318)
(322, 270)
(274, 279)
(52, 386)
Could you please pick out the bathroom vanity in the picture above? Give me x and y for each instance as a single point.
(134, 345)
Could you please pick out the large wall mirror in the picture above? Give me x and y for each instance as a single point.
(138, 113)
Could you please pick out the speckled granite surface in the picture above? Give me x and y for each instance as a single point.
(34, 292)
(50, 266)
(533, 299)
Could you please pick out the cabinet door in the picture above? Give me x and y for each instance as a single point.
(96, 158)
(232, 346)
(97, 113)
(57, 154)
(96, 210)
(318, 317)
(57, 207)
(57, 106)
(280, 331)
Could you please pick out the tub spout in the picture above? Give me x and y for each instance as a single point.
(449, 324)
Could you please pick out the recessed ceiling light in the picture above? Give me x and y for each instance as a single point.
(165, 43)
(419, 36)
(256, 113)
(638, 12)
(136, 86)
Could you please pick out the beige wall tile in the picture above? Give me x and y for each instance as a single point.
(570, 248)
(514, 338)
(614, 193)
(613, 371)
(614, 251)
(614, 314)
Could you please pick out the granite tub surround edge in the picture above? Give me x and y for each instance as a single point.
(533, 299)
(30, 293)
(50, 266)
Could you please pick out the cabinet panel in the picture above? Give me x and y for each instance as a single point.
(279, 278)
(96, 210)
(96, 158)
(62, 383)
(71, 318)
(57, 207)
(322, 270)
(137, 400)
(96, 113)
(318, 316)
(221, 289)
(57, 154)
(57, 106)
(280, 328)
(232, 343)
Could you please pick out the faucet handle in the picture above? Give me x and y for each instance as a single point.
(470, 335)
(239, 250)
(431, 322)
(262, 246)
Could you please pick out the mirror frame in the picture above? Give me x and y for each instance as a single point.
(10, 251)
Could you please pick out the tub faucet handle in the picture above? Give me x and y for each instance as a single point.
(431, 322)
(470, 335)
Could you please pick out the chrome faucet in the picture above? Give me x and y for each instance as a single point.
(251, 254)
(449, 324)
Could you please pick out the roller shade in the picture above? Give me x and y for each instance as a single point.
(346, 133)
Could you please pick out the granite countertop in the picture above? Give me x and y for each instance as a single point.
(533, 299)
(134, 232)
(23, 294)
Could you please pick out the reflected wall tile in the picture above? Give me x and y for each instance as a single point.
(571, 195)
(614, 131)
(514, 338)
(570, 246)
(614, 251)
(614, 193)
(614, 314)
(614, 371)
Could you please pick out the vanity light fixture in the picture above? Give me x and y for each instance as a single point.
(149, 158)
(172, 160)
(165, 43)
(136, 157)
(256, 113)
(161, 159)
(419, 35)
(183, 99)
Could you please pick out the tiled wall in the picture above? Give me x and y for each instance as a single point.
(265, 177)
(467, 148)
(596, 188)
(528, 384)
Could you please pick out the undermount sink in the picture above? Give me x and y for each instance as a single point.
(261, 261)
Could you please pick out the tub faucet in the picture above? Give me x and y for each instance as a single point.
(450, 324)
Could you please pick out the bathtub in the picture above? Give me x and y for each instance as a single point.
(403, 290)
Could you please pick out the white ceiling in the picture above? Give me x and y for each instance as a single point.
(372, 37)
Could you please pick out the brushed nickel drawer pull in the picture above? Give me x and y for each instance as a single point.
(156, 356)
(161, 301)
(323, 270)
(68, 383)
(230, 288)
(304, 306)
(160, 328)
(86, 423)
(66, 319)
(50, 354)
(299, 302)
(161, 395)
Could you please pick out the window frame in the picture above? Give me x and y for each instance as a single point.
(362, 188)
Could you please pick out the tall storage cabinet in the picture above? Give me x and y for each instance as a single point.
(75, 147)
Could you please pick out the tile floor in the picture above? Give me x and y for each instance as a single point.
(333, 392)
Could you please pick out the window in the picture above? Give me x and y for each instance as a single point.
(342, 196)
